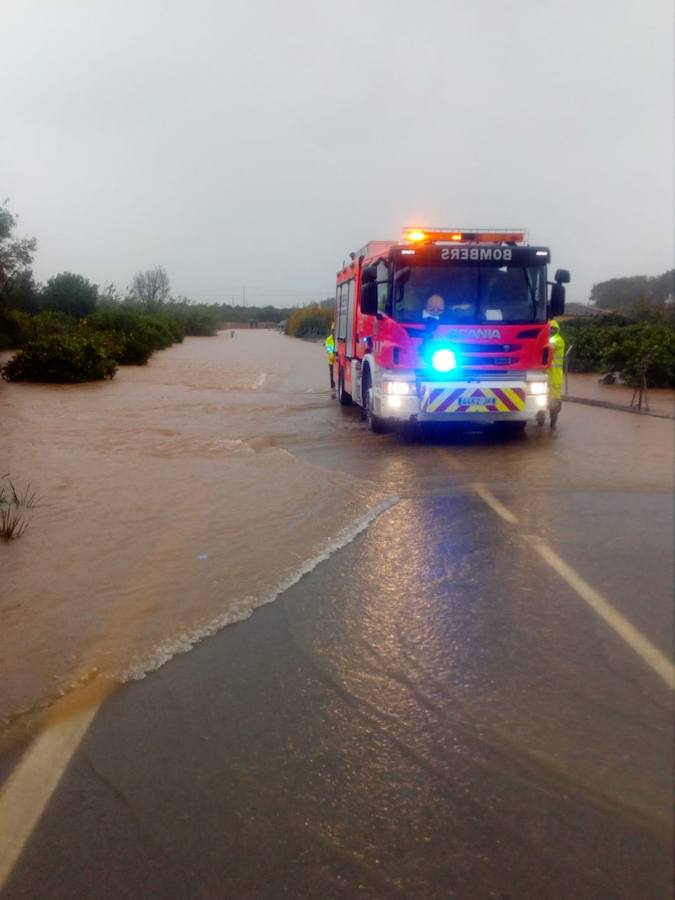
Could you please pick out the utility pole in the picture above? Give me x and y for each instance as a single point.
(243, 293)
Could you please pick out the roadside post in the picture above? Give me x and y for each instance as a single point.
(567, 368)
(640, 389)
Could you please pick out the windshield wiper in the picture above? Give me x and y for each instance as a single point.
(530, 288)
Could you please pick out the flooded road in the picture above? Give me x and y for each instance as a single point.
(470, 698)
(167, 507)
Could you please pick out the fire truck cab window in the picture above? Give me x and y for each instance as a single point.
(341, 303)
(345, 313)
(383, 302)
(471, 293)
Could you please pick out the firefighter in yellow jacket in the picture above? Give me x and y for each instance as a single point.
(329, 344)
(556, 372)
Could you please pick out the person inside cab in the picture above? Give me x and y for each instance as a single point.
(434, 308)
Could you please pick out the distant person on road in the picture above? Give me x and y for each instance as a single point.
(232, 334)
(555, 373)
(329, 344)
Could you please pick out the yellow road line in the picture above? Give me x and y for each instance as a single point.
(29, 788)
(650, 654)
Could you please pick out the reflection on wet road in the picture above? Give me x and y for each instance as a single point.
(433, 712)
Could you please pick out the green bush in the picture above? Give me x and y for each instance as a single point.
(70, 293)
(615, 344)
(196, 321)
(647, 348)
(18, 328)
(66, 359)
(309, 321)
(13, 328)
(136, 335)
(45, 323)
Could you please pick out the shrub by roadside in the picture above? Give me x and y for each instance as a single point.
(310, 321)
(617, 344)
(12, 325)
(62, 359)
(137, 336)
(198, 320)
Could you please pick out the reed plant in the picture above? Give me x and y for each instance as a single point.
(12, 503)
(12, 524)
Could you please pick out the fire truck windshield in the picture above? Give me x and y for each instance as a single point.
(470, 294)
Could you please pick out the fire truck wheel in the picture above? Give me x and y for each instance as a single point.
(344, 398)
(374, 423)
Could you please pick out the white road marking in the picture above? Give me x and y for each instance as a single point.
(29, 788)
(634, 638)
(650, 654)
(488, 497)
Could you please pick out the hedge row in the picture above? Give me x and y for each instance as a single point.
(310, 321)
(56, 347)
(615, 345)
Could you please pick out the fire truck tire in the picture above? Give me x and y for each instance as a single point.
(374, 423)
(344, 398)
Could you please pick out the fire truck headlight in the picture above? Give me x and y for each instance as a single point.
(542, 400)
(394, 402)
(444, 360)
(399, 387)
(538, 387)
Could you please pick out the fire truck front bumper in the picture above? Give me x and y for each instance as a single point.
(465, 401)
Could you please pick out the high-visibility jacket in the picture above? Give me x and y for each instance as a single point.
(329, 344)
(556, 372)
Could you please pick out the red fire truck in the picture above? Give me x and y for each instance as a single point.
(447, 325)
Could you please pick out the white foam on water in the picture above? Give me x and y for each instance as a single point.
(233, 445)
(245, 607)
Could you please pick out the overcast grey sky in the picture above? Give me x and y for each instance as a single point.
(258, 143)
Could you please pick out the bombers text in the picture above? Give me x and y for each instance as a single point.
(488, 253)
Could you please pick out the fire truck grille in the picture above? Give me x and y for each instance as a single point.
(485, 348)
(469, 360)
(463, 373)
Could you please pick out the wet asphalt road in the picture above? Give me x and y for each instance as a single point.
(433, 712)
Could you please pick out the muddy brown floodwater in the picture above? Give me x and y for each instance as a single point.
(167, 507)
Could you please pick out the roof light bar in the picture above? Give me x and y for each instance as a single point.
(415, 235)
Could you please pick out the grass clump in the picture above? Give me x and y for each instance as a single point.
(28, 499)
(12, 524)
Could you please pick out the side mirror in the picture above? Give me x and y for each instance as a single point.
(369, 298)
(369, 274)
(557, 304)
(562, 276)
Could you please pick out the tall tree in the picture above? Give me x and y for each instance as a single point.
(624, 293)
(16, 256)
(151, 287)
(70, 293)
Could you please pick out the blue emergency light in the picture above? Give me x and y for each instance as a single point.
(443, 360)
